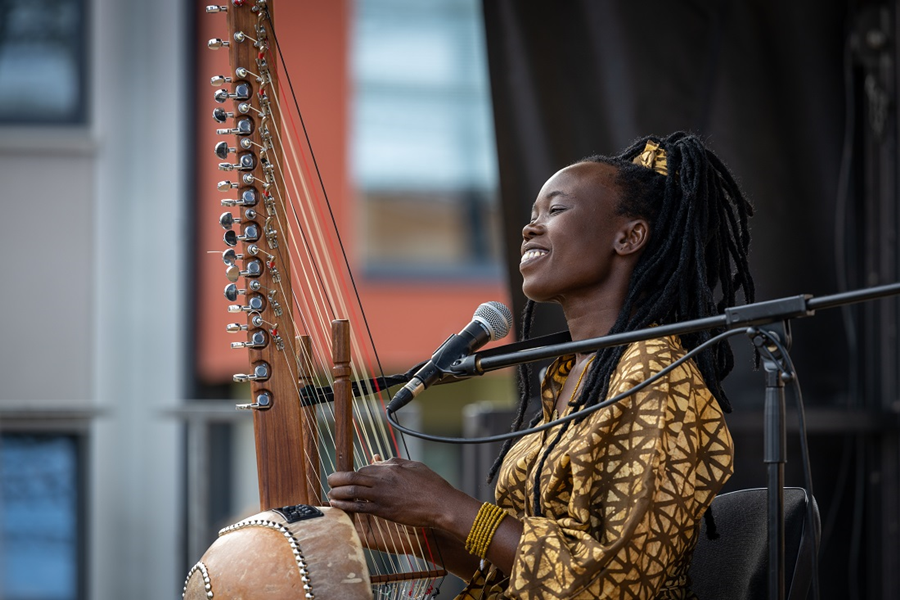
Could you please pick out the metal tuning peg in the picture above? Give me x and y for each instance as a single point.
(222, 149)
(256, 321)
(251, 234)
(263, 402)
(254, 304)
(252, 268)
(258, 339)
(227, 220)
(230, 257)
(216, 9)
(217, 80)
(232, 292)
(220, 115)
(216, 43)
(242, 91)
(248, 198)
(246, 162)
(242, 127)
(261, 372)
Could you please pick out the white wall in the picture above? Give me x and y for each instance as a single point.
(141, 99)
(94, 303)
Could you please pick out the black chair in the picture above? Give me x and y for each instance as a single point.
(735, 566)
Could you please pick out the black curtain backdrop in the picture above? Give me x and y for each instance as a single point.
(761, 82)
(764, 84)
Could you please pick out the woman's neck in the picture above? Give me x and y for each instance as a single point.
(591, 319)
(592, 312)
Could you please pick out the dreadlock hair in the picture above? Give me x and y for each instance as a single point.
(699, 241)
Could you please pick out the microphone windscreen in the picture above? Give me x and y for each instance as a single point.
(496, 317)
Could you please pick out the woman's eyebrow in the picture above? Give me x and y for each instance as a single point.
(550, 196)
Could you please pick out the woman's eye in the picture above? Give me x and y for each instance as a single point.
(556, 209)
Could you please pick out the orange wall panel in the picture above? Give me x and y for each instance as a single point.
(408, 319)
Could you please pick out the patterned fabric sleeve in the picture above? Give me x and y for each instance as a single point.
(622, 493)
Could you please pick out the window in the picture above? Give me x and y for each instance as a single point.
(423, 149)
(42, 61)
(40, 503)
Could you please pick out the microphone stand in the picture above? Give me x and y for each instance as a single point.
(764, 321)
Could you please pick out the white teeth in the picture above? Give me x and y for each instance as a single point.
(532, 254)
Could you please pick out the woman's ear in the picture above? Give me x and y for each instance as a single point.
(632, 237)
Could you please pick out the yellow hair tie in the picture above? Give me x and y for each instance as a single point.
(652, 157)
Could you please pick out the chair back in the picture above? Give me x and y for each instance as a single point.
(735, 566)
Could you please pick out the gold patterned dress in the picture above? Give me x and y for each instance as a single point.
(622, 493)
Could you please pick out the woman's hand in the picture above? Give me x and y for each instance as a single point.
(409, 493)
(399, 490)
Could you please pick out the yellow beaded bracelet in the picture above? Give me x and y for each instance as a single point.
(483, 529)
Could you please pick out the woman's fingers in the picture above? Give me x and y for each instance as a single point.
(399, 490)
(353, 506)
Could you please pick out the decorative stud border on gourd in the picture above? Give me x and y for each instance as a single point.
(206, 582)
(292, 542)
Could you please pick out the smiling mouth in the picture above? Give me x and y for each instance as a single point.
(532, 255)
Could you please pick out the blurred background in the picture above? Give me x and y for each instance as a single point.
(434, 125)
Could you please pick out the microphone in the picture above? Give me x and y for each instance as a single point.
(491, 322)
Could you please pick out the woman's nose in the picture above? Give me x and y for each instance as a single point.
(531, 229)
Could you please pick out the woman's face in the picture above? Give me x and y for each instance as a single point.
(569, 247)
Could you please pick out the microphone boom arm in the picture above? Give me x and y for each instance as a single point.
(748, 315)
